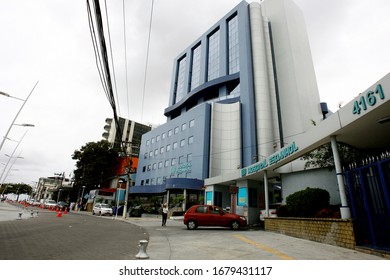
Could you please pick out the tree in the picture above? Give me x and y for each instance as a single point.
(16, 188)
(96, 163)
(323, 156)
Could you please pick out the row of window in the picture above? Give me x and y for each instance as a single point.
(161, 180)
(170, 132)
(168, 147)
(167, 163)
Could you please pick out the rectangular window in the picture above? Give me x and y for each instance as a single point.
(189, 157)
(149, 167)
(190, 140)
(192, 123)
(154, 166)
(174, 145)
(160, 164)
(166, 164)
(173, 161)
(158, 138)
(233, 45)
(182, 142)
(156, 152)
(164, 135)
(195, 70)
(213, 56)
(161, 150)
(176, 130)
(168, 147)
(183, 126)
(150, 153)
(152, 140)
(180, 84)
(169, 133)
(181, 159)
(147, 142)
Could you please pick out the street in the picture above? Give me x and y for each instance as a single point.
(71, 237)
(82, 236)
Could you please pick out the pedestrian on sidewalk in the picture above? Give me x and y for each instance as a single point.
(164, 214)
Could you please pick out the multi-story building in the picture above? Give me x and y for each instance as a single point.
(130, 133)
(239, 93)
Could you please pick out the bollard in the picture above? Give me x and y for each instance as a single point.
(32, 213)
(142, 250)
(20, 215)
(37, 213)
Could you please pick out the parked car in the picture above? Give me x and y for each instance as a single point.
(272, 212)
(50, 203)
(210, 215)
(62, 204)
(102, 209)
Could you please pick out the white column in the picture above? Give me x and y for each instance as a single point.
(344, 210)
(266, 198)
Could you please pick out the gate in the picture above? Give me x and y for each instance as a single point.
(368, 189)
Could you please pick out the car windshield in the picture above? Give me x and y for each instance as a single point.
(104, 206)
(51, 201)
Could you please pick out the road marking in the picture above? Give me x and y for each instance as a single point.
(263, 247)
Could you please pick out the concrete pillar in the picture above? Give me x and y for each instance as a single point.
(344, 210)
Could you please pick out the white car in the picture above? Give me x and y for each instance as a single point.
(50, 203)
(102, 209)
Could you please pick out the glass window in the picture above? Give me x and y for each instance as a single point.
(170, 133)
(156, 152)
(189, 157)
(146, 155)
(190, 140)
(158, 138)
(147, 142)
(192, 123)
(176, 129)
(160, 164)
(181, 159)
(164, 135)
(159, 180)
(180, 85)
(147, 181)
(182, 142)
(149, 167)
(168, 147)
(234, 62)
(150, 153)
(166, 164)
(142, 182)
(173, 161)
(213, 56)
(152, 181)
(161, 150)
(154, 166)
(143, 168)
(183, 126)
(195, 70)
(174, 145)
(152, 140)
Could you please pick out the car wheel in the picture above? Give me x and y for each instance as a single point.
(191, 225)
(235, 225)
(93, 212)
(100, 213)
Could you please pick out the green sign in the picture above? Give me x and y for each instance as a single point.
(182, 168)
(271, 160)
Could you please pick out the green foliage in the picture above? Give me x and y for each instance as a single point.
(178, 200)
(306, 203)
(16, 188)
(323, 156)
(95, 162)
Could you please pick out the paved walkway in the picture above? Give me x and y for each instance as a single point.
(175, 242)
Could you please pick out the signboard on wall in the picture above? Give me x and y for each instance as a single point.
(242, 197)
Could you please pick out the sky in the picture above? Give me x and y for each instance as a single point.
(49, 42)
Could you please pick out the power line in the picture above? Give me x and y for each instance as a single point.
(147, 60)
(124, 37)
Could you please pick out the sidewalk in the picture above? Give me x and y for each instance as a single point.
(11, 211)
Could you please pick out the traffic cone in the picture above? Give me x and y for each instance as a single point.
(59, 215)
(65, 211)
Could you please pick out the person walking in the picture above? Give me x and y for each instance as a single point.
(164, 214)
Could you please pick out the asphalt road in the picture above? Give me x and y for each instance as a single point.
(71, 237)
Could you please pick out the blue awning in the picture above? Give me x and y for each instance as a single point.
(149, 189)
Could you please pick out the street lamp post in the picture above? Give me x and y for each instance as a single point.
(24, 102)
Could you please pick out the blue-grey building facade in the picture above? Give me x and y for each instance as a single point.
(238, 93)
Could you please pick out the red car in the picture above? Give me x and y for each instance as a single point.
(209, 215)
